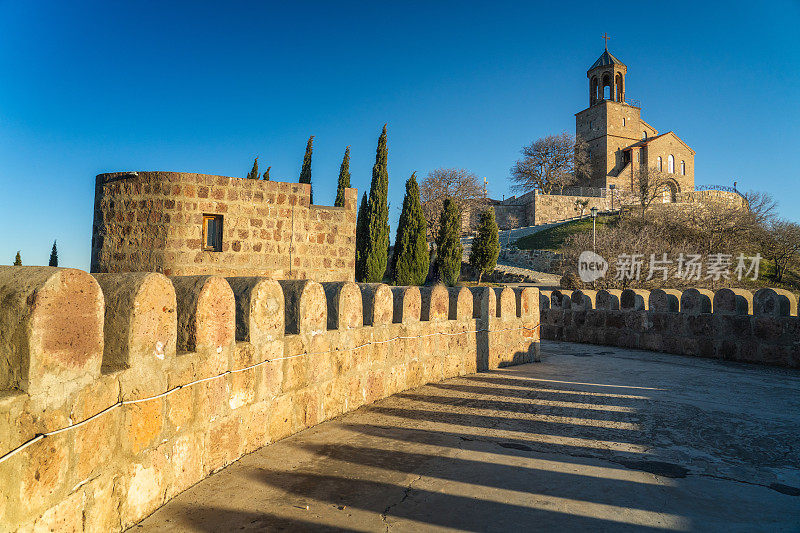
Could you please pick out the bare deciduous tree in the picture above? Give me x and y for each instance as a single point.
(650, 184)
(580, 205)
(550, 163)
(461, 185)
(782, 245)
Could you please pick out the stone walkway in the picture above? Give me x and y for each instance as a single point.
(591, 439)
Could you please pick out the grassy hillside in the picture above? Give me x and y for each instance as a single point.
(553, 238)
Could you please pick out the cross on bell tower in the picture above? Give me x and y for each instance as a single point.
(607, 71)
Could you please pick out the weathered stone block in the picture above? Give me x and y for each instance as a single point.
(733, 302)
(206, 318)
(609, 299)
(345, 307)
(696, 301)
(634, 299)
(774, 302)
(484, 302)
(664, 300)
(378, 304)
(306, 307)
(506, 303)
(407, 305)
(435, 303)
(260, 312)
(51, 331)
(459, 303)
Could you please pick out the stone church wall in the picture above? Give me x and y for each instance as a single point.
(153, 221)
(119, 391)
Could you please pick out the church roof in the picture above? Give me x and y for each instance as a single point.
(605, 60)
(645, 142)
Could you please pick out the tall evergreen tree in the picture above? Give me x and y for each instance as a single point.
(54, 256)
(18, 260)
(305, 172)
(485, 245)
(266, 174)
(411, 260)
(448, 244)
(344, 178)
(377, 245)
(362, 235)
(253, 174)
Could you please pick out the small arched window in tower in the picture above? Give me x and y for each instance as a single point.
(644, 134)
(671, 164)
(638, 156)
(683, 168)
(660, 164)
(623, 121)
(618, 88)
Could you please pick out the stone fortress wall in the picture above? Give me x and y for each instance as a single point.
(729, 324)
(533, 209)
(119, 391)
(153, 222)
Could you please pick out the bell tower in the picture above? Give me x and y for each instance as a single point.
(609, 124)
(606, 78)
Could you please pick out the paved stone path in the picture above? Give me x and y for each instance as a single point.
(591, 439)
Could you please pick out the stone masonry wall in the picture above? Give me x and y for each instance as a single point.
(552, 208)
(729, 324)
(153, 222)
(119, 391)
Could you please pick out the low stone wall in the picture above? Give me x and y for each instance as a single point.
(729, 324)
(539, 260)
(119, 391)
(555, 207)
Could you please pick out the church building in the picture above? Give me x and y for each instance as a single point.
(619, 143)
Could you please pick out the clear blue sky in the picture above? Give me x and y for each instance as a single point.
(91, 87)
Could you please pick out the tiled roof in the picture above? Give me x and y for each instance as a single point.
(605, 60)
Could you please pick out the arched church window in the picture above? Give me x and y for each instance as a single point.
(683, 168)
(644, 134)
(660, 164)
(671, 164)
(623, 121)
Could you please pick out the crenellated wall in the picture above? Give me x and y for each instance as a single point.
(730, 324)
(119, 391)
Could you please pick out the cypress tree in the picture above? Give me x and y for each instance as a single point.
(448, 244)
(410, 260)
(266, 174)
(18, 260)
(344, 179)
(361, 237)
(54, 256)
(253, 174)
(486, 245)
(377, 245)
(305, 172)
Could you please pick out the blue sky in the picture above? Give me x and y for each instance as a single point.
(91, 87)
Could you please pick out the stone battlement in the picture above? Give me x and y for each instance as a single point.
(119, 391)
(731, 324)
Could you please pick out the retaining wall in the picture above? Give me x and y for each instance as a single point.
(731, 324)
(119, 391)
